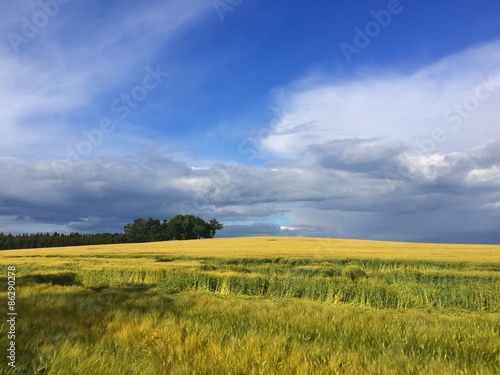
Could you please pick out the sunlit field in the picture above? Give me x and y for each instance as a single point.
(263, 305)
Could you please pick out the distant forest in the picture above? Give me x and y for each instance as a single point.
(180, 227)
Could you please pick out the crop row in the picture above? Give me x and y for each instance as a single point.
(472, 294)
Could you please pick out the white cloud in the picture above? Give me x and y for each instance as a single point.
(434, 105)
(60, 81)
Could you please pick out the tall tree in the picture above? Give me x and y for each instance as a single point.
(214, 226)
(136, 231)
(177, 227)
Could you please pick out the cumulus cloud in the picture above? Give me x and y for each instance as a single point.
(452, 104)
(403, 155)
(368, 156)
(92, 189)
(344, 196)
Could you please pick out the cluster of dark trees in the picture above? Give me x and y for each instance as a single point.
(180, 227)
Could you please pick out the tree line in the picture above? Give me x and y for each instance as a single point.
(180, 227)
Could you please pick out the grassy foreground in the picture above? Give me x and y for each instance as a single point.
(263, 305)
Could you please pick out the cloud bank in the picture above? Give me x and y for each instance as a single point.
(387, 154)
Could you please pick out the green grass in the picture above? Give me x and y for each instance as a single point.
(200, 312)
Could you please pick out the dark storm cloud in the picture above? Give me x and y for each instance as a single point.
(348, 176)
(93, 192)
(368, 156)
(255, 229)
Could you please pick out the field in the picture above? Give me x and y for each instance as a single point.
(263, 305)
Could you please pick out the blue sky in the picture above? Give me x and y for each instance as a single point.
(373, 119)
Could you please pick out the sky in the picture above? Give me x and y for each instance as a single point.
(371, 119)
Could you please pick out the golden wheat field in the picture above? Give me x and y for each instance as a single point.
(260, 305)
